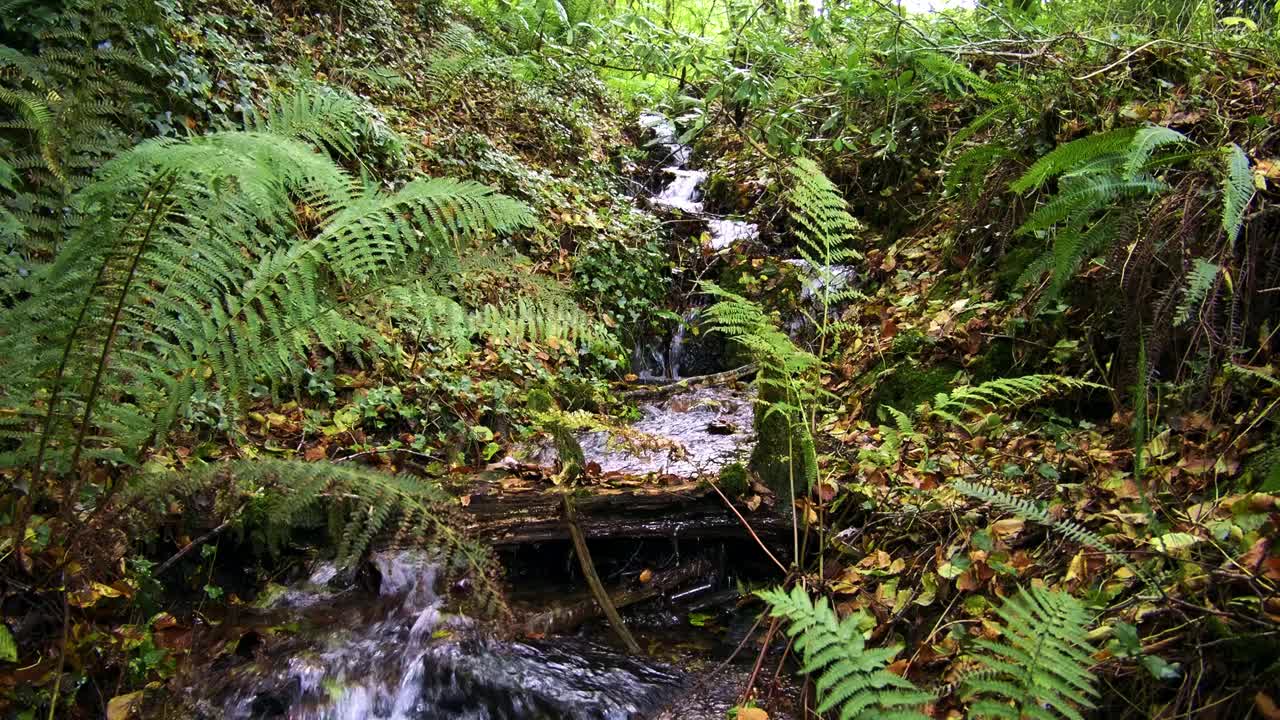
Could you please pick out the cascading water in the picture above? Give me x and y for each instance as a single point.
(684, 191)
(401, 656)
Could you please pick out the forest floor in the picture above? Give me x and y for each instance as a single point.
(543, 395)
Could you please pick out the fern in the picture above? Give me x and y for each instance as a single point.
(1237, 190)
(1041, 667)
(458, 55)
(1073, 154)
(851, 679)
(431, 316)
(1103, 179)
(196, 272)
(1030, 511)
(513, 303)
(823, 224)
(758, 334)
(1145, 142)
(1200, 281)
(969, 169)
(1003, 392)
(1086, 195)
(314, 114)
(75, 96)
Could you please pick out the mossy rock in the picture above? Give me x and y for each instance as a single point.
(908, 385)
(996, 361)
(784, 451)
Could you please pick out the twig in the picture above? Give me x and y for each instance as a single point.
(593, 580)
(379, 451)
(764, 649)
(194, 543)
(747, 525)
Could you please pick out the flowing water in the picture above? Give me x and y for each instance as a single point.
(693, 433)
(684, 190)
(391, 649)
(400, 656)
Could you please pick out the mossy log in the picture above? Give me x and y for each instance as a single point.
(689, 510)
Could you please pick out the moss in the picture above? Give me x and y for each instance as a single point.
(908, 342)
(539, 400)
(994, 362)
(784, 450)
(1012, 265)
(733, 479)
(572, 460)
(908, 384)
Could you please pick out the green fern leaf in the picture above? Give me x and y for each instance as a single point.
(1088, 195)
(851, 679)
(1199, 281)
(1071, 155)
(1237, 190)
(1040, 668)
(1145, 143)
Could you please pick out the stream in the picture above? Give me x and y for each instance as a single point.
(388, 643)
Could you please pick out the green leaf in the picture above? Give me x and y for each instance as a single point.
(1237, 190)
(8, 648)
(1160, 668)
(1173, 542)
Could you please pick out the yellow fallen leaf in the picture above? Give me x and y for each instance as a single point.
(1078, 568)
(1007, 527)
(121, 707)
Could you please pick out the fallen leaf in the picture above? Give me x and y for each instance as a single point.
(1266, 706)
(122, 706)
(752, 713)
(1007, 527)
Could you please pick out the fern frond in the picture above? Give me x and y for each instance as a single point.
(1146, 141)
(970, 168)
(1200, 280)
(1007, 392)
(824, 225)
(312, 113)
(850, 679)
(1237, 190)
(1071, 155)
(197, 272)
(1030, 511)
(1087, 195)
(1040, 668)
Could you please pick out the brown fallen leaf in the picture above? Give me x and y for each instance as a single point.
(1267, 707)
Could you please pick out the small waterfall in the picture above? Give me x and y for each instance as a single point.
(400, 656)
(369, 671)
(684, 191)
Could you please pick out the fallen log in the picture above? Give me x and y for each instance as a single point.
(689, 510)
(693, 383)
(569, 617)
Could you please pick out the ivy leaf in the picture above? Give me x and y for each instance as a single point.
(1126, 637)
(1161, 669)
